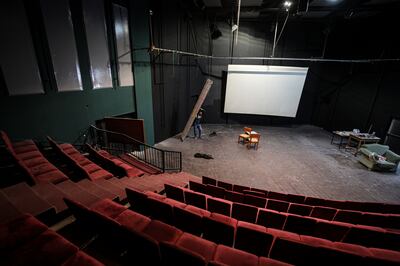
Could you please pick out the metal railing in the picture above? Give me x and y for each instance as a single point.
(118, 143)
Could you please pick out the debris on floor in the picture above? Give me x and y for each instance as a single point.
(212, 134)
(203, 155)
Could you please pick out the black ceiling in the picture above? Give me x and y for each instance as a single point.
(300, 9)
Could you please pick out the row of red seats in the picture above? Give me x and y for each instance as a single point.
(330, 230)
(27, 155)
(312, 201)
(86, 167)
(151, 242)
(113, 163)
(390, 221)
(259, 240)
(26, 241)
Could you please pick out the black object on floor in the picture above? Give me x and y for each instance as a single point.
(212, 134)
(203, 155)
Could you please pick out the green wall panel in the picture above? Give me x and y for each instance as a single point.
(62, 115)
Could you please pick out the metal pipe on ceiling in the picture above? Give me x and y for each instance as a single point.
(373, 60)
(237, 22)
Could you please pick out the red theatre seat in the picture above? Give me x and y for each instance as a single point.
(201, 188)
(244, 212)
(239, 188)
(196, 199)
(215, 191)
(200, 246)
(29, 158)
(219, 206)
(278, 205)
(229, 256)
(208, 181)
(325, 213)
(271, 218)
(253, 238)
(88, 169)
(300, 209)
(162, 232)
(234, 196)
(173, 255)
(113, 163)
(188, 220)
(219, 229)
(225, 185)
(174, 192)
(255, 201)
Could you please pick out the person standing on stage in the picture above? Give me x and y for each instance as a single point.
(197, 125)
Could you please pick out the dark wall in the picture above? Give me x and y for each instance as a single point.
(63, 115)
(178, 80)
(359, 95)
(335, 96)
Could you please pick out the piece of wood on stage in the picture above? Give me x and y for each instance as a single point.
(196, 108)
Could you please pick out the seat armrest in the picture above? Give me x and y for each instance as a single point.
(392, 157)
(365, 152)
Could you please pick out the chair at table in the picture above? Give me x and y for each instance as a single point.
(254, 139)
(245, 136)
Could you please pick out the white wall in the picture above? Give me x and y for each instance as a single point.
(264, 90)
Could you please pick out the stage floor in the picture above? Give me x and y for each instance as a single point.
(298, 159)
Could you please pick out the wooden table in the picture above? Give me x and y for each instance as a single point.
(342, 135)
(360, 139)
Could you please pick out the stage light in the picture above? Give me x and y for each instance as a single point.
(287, 5)
(234, 27)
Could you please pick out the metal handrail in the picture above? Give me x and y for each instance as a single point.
(117, 143)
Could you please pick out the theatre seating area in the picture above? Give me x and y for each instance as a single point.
(259, 240)
(32, 162)
(42, 196)
(115, 165)
(85, 166)
(26, 241)
(301, 199)
(199, 221)
(330, 230)
(153, 242)
(248, 197)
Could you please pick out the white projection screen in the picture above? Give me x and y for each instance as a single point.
(264, 90)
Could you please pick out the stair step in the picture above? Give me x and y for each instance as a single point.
(77, 193)
(138, 164)
(52, 194)
(8, 211)
(96, 189)
(26, 200)
(118, 182)
(113, 187)
(131, 182)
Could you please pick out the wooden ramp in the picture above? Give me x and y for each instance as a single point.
(156, 182)
(196, 108)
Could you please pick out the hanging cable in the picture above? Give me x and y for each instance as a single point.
(283, 27)
(277, 58)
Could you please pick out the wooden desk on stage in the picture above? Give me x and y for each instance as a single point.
(342, 136)
(360, 139)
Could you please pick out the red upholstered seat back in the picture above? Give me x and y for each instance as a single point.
(7, 141)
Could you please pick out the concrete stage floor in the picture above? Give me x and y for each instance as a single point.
(297, 159)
